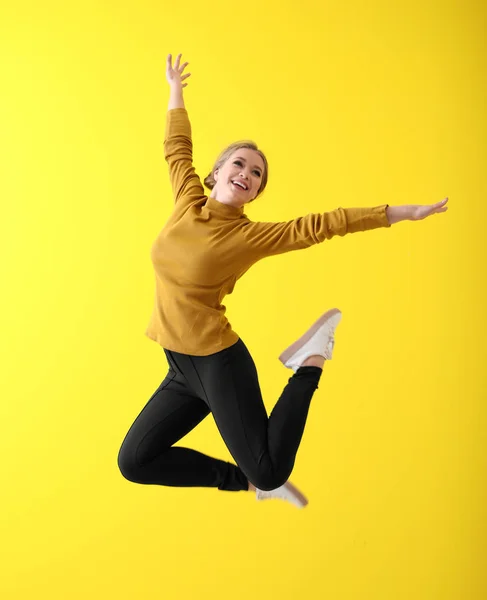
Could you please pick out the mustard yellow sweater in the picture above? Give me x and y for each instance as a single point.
(206, 246)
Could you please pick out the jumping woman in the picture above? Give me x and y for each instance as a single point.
(206, 245)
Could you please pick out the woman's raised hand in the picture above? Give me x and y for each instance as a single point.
(174, 75)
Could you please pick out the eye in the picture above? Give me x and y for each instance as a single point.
(239, 162)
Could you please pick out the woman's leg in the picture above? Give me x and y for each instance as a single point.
(263, 447)
(147, 454)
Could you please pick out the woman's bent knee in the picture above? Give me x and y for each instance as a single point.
(268, 480)
(128, 466)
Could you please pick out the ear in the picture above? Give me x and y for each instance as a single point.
(215, 175)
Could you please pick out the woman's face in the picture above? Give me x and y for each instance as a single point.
(246, 167)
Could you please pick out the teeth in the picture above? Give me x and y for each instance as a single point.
(239, 184)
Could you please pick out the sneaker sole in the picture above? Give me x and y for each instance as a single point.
(293, 348)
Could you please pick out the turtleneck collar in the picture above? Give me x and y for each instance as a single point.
(224, 209)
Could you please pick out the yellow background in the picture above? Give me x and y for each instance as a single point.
(354, 104)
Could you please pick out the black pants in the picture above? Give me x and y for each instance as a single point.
(225, 384)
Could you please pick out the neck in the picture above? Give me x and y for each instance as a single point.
(230, 201)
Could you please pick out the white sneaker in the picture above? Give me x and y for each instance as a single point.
(319, 339)
(285, 492)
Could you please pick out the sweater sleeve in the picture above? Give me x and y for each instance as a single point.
(268, 239)
(178, 153)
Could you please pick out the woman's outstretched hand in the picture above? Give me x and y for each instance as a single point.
(174, 75)
(419, 211)
(414, 212)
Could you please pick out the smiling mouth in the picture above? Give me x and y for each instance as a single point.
(238, 187)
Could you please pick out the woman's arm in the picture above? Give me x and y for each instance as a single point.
(414, 212)
(176, 99)
(178, 145)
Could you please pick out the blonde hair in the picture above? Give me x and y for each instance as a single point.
(209, 180)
